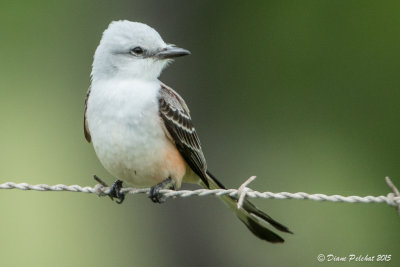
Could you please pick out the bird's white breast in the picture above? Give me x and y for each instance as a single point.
(124, 124)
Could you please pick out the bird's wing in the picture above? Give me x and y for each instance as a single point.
(85, 123)
(179, 128)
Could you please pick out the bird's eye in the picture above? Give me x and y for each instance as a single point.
(137, 50)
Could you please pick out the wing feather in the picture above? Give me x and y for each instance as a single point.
(178, 124)
(85, 123)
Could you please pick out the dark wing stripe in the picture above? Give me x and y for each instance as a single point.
(185, 136)
(178, 123)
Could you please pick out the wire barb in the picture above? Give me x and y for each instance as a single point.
(392, 199)
(395, 194)
(242, 191)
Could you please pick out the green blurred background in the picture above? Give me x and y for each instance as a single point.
(304, 94)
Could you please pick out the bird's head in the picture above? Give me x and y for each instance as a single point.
(132, 50)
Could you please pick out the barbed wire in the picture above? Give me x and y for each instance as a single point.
(392, 199)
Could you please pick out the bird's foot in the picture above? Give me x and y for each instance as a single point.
(155, 194)
(115, 189)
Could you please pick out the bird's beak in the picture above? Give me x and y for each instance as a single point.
(172, 52)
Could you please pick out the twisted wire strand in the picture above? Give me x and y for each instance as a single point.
(392, 199)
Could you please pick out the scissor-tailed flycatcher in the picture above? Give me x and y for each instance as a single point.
(141, 129)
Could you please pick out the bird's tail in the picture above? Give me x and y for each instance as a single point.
(255, 219)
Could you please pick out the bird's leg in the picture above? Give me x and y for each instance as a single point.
(115, 190)
(155, 195)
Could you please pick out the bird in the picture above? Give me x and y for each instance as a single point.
(141, 129)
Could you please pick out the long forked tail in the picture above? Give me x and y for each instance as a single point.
(255, 219)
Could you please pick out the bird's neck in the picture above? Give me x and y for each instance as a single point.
(146, 69)
(127, 82)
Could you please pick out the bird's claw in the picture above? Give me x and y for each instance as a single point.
(155, 194)
(115, 192)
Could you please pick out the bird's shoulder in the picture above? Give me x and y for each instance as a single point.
(171, 99)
